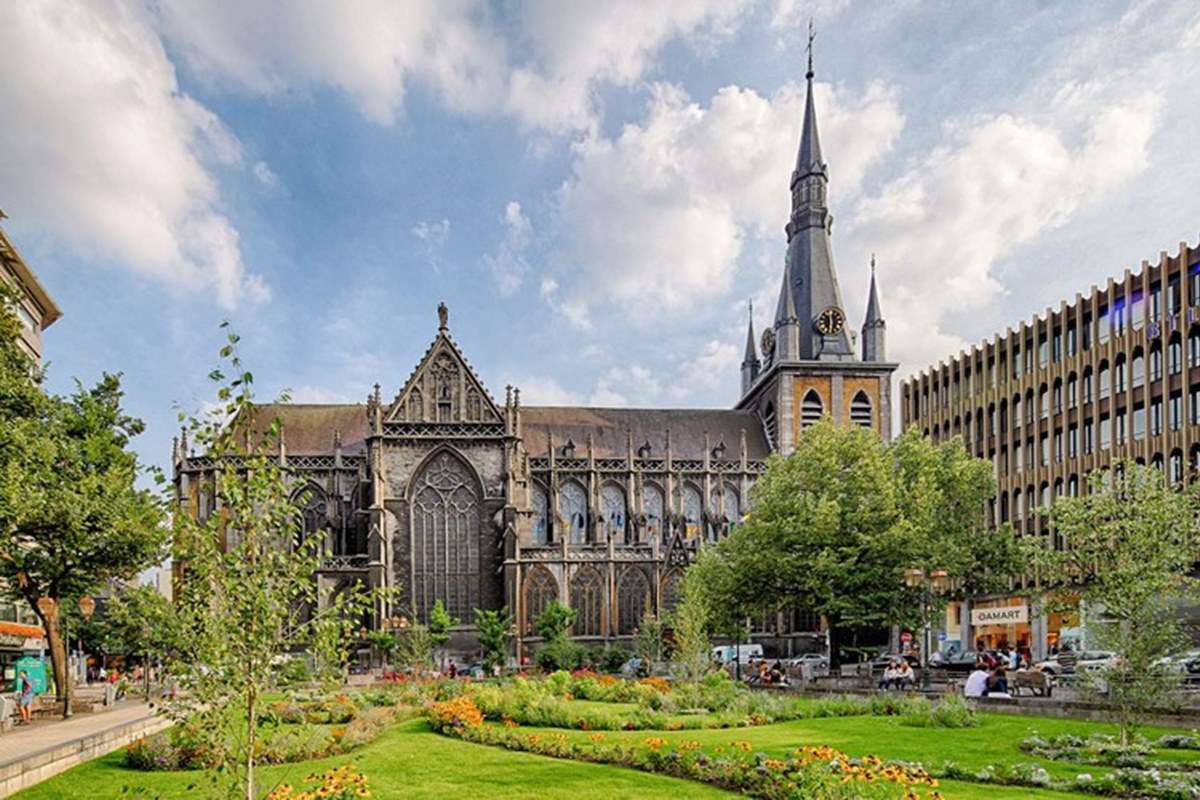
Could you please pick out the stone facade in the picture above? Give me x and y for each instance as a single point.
(446, 493)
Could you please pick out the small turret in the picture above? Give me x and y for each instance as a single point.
(750, 363)
(787, 324)
(874, 329)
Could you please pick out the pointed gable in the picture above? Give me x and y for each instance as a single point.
(443, 387)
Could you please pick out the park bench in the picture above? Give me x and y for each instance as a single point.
(1039, 683)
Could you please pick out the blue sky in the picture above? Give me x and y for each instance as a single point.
(595, 189)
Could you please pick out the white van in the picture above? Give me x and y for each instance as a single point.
(728, 653)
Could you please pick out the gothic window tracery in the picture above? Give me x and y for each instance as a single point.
(474, 406)
(671, 585)
(652, 506)
(574, 507)
(541, 516)
(587, 598)
(416, 406)
(612, 506)
(733, 512)
(692, 510)
(540, 591)
(633, 598)
(445, 525)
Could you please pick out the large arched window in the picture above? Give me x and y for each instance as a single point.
(811, 409)
(572, 500)
(612, 506)
(315, 512)
(671, 585)
(587, 598)
(445, 525)
(692, 509)
(733, 511)
(860, 409)
(633, 598)
(540, 591)
(652, 506)
(541, 516)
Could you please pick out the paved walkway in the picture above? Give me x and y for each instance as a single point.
(28, 740)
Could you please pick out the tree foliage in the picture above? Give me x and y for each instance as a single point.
(72, 515)
(554, 620)
(1131, 545)
(248, 595)
(835, 524)
(492, 628)
(691, 621)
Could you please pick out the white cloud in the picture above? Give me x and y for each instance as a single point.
(370, 53)
(545, 69)
(714, 367)
(575, 46)
(265, 175)
(102, 150)
(656, 217)
(508, 265)
(433, 234)
(321, 395)
(541, 391)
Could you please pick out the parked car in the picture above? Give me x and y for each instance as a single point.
(880, 662)
(728, 653)
(816, 663)
(1070, 662)
(957, 661)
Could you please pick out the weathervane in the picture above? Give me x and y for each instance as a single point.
(812, 34)
(872, 263)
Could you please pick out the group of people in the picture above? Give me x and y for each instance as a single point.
(897, 675)
(765, 675)
(987, 679)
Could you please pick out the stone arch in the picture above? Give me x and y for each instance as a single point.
(539, 591)
(444, 508)
(573, 504)
(654, 507)
(614, 511)
(861, 411)
(670, 588)
(540, 501)
(587, 598)
(633, 599)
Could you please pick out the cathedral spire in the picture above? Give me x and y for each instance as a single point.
(809, 160)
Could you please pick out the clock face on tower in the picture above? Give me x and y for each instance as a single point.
(830, 321)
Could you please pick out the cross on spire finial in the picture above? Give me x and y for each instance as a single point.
(872, 263)
(812, 34)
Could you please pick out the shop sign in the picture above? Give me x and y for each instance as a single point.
(1005, 615)
(15, 641)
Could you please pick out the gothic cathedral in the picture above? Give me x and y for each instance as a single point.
(445, 493)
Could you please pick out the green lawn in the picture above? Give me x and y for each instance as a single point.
(411, 761)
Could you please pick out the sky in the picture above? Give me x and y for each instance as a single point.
(596, 190)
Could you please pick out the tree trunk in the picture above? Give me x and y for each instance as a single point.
(58, 658)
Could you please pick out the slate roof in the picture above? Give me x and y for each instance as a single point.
(608, 427)
(308, 428)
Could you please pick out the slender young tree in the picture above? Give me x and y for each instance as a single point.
(248, 593)
(1131, 546)
(72, 515)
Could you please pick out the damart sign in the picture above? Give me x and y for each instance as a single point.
(1006, 615)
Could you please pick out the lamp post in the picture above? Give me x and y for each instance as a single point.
(87, 607)
(932, 583)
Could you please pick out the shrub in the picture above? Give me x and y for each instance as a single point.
(560, 653)
(613, 657)
(295, 670)
(152, 753)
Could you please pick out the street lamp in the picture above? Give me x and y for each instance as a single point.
(935, 582)
(87, 607)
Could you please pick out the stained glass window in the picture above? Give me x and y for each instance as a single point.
(693, 507)
(587, 598)
(652, 505)
(573, 505)
(445, 522)
(540, 591)
(612, 505)
(541, 516)
(633, 598)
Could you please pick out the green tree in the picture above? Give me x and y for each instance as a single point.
(835, 524)
(691, 621)
(1131, 546)
(440, 623)
(72, 516)
(414, 648)
(492, 628)
(146, 624)
(554, 620)
(648, 639)
(383, 643)
(248, 594)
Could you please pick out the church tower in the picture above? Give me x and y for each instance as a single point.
(809, 368)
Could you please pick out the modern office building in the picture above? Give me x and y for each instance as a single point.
(1112, 374)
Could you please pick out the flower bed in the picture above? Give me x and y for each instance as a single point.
(813, 773)
(294, 732)
(342, 783)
